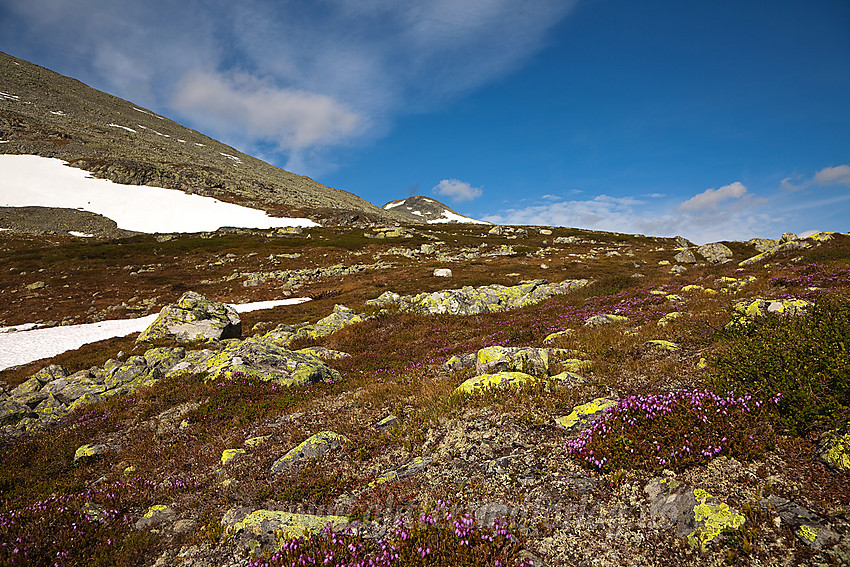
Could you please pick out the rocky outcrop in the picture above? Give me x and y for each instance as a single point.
(715, 252)
(52, 393)
(314, 446)
(341, 317)
(260, 360)
(193, 318)
(473, 300)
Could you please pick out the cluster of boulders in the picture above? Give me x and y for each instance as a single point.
(473, 300)
(296, 278)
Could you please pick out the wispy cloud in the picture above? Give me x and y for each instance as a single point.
(240, 104)
(826, 177)
(838, 175)
(714, 219)
(712, 198)
(457, 190)
(333, 72)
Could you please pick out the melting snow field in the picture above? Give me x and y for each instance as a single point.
(26, 344)
(48, 182)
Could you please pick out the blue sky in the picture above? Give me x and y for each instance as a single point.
(711, 119)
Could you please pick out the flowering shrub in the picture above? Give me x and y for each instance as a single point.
(674, 430)
(438, 539)
(805, 358)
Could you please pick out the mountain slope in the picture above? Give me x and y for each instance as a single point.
(47, 114)
(425, 209)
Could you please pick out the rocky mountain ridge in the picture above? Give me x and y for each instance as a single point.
(425, 209)
(47, 114)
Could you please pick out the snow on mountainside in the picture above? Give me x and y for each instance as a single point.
(425, 209)
(47, 182)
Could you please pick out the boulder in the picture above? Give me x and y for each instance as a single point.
(192, 318)
(286, 525)
(406, 470)
(584, 415)
(834, 449)
(694, 512)
(605, 319)
(685, 257)
(500, 380)
(715, 252)
(314, 446)
(529, 360)
(812, 529)
(253, 358)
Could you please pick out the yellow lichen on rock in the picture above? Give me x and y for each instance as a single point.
(154, 509)
(809, 533)
(581, 414)
(229, 454)
(714, 518)
(286, 525)
(490, 381)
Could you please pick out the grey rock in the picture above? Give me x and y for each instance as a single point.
(12, 411)
(715, 252)
(812, 529)
(489, 514)
(685, 257)
(194, 317)
(314, 446)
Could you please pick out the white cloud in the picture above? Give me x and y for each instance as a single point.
(711, 198)
(741, 219)
(838, 175)
(241, 104)
(457, 190)
(371, 59)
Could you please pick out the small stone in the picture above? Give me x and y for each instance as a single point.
(442, 273)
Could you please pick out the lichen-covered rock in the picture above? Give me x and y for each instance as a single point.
(715, 252)
(40, 378)
(669, 318)
(406, 470)
(278, 523)
(193, 318)
(494, 359)
(812, 529)
(314, 446)
(763, 244)
(86, 451)
(500, 380)
(583, 415)
(324, 353)
(694, 512)
(485, 299)
(231, 455)
(341, 317)
(605, 319)
(552, 337)
(156, 514)
(253, 358)
(685, 257)
(748, 309)
(660, 344)
(834, 449)
(460, 361)
(12, 411)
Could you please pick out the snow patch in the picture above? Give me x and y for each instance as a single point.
(228, 156)
(25, 346)
(392, 205)
(148, 113)
(124, 127)
(48, 182)
(7, 96)
(58, 113)
(4, 141)
(448, 216)
(80, 234)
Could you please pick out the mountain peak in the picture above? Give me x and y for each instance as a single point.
(428, 210)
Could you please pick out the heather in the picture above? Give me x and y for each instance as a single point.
(738, 413)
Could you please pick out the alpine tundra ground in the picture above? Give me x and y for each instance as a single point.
(672, 408)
